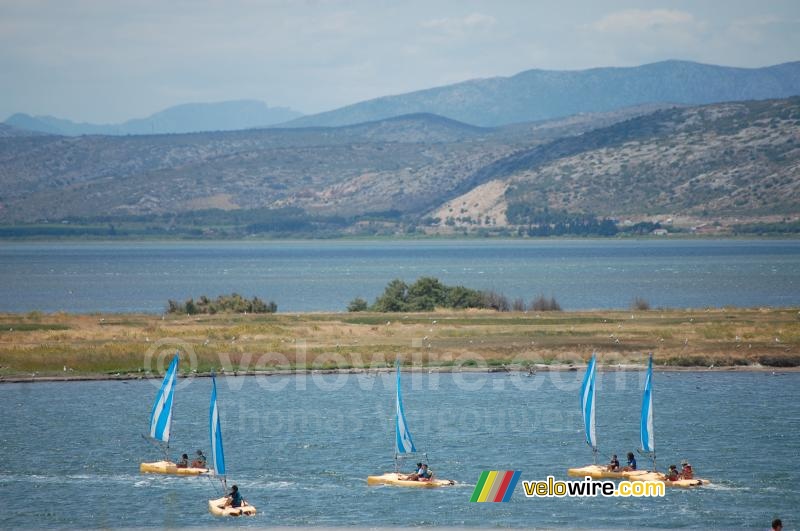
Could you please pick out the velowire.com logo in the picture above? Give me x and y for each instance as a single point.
(495, 486)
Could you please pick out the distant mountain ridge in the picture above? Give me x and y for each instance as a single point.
(186, 118)
(546, 94)
(11, 131)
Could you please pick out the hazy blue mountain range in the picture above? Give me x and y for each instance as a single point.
(545, 94)
(9, 130)
(187, 118)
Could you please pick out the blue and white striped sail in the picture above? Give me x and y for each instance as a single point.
(161, 415)
(587, 404)
(217, 452)
(404, 443)
(646, 422)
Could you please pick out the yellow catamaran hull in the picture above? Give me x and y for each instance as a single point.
(217, 508)
(601, 472)
(167, 467)
(393, 478)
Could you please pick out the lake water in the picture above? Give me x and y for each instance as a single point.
(300, 447)
(325, 276)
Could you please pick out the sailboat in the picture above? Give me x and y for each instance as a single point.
(404, 448)
(161, 425)
(219, 507)
(588, 395)
(647, 437)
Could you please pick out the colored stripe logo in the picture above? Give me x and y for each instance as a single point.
(495, 486)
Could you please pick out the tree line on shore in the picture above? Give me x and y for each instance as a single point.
(424, 295)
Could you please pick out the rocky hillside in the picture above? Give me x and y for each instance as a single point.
(406, 164)
(722, 162)
(715, 163)
(546, 94)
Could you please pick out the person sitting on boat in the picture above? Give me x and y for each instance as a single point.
(424, 474)
(184, 462)
(200, 460)
(631, 463)
(234, 498)
(613, 466)
(414, 476)
(672, 473)
(686, 470)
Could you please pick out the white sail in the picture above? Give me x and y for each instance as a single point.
(161, 415)
(404, 442)
(587, 404)
(646, 432)
(215, 430)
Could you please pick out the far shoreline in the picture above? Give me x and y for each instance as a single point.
(404, 238)
(384, 370)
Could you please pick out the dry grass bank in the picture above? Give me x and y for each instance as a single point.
(76, 345)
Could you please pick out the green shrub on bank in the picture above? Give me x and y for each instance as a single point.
(233, 303)
(358, 305)
(428, 293)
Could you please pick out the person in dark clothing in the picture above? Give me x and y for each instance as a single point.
(631, 463)
(200, 460)
(234, 498)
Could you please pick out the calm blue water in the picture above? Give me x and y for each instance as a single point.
(300, 448)
(325, 276)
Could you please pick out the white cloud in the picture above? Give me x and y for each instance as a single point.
(458, 26)
(637, 36)
(643, 21)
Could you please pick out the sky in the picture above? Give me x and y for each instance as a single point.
(107, 61)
